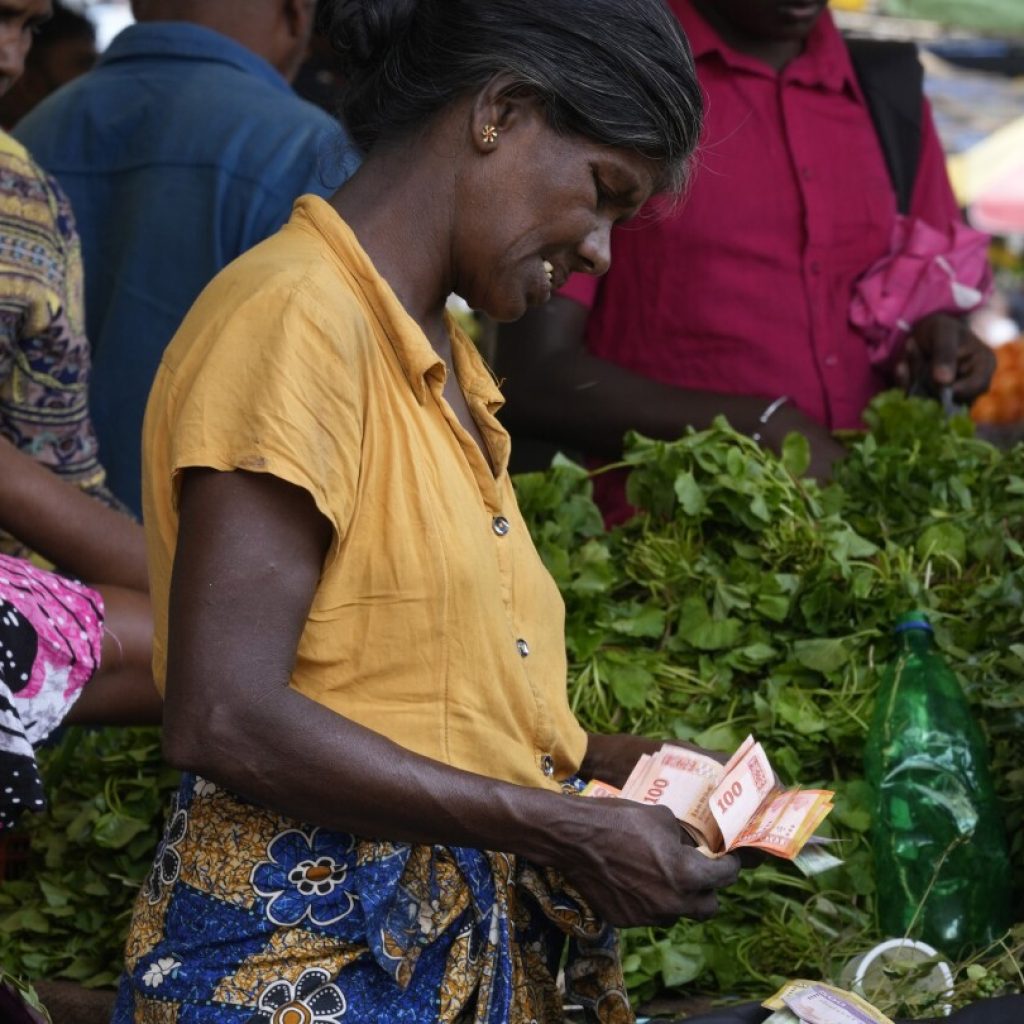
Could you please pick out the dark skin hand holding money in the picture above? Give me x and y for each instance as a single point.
(363, 655)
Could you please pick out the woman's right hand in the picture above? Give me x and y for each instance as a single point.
(638, 867)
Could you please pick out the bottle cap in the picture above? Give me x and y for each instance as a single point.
(913, 620)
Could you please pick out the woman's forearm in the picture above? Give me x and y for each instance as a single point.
(302, 760)
(77, 533)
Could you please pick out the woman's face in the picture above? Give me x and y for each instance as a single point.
(18, 20)
(542, 207)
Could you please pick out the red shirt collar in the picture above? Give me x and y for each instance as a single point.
(825, 62)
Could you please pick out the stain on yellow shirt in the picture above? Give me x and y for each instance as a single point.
(435, 622)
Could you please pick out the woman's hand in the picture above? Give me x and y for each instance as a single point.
(638, 867)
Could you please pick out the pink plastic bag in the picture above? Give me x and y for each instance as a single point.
(925, 271)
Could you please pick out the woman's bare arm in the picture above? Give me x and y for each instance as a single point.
(249, 556)
(77, 533)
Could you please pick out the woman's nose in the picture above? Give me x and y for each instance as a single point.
(596, 250)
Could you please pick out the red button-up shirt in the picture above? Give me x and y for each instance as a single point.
(745, 287)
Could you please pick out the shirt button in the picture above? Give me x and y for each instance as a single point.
(523, 648)
(815, 267)
(806, 173)
(547, 765)
(500, 525)
(831, 360)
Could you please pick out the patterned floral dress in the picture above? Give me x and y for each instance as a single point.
(250, 918)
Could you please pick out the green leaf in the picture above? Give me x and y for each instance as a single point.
(116, 830)
(943, 540)
(823, 655)
(631, 684)
(55, 895)
(715, 636)
(680, 964)
(645, 621)
(796, 454)
(689, 494)
(800, 712)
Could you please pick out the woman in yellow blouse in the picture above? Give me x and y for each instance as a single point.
(362, 653)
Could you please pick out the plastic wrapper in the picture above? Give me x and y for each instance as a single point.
(926, 271)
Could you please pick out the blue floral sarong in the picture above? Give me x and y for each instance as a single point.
(251, 918)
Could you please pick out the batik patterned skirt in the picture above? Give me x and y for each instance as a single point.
(250, 918)
(51, 636)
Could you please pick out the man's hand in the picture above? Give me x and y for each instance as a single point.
(942, 352)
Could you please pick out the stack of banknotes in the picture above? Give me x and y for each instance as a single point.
(726, 807)
(813, 1002)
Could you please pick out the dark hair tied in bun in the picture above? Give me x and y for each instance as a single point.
(363, 31)
(618, 72)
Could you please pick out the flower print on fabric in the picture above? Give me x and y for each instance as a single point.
(157, 972)
(311, 1000)
(304, 877)
(167, 863)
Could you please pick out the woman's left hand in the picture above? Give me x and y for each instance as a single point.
(942, 352)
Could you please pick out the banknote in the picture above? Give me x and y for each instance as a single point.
(724, 807)
(814, 1002)
(737, 800)
(601, 789)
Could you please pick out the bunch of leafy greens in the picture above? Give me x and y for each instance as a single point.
(741, 599)
(744, 599)
(64, 911)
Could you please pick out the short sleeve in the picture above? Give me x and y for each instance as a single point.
(271, 386)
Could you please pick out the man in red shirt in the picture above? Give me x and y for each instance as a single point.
(739, 295)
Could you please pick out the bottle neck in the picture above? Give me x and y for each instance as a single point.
(916, 641)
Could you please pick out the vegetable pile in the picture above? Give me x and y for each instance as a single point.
(65, 912)
(1003, 403)
(741, 599)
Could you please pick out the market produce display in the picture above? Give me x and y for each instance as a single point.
(746, 600)
(1003, 403)
(743, 599)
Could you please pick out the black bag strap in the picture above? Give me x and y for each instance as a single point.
(892, 80)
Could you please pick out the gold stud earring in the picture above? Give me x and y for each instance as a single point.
(489, 134)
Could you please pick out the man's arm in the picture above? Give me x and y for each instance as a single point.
(558, 391)
(942, 350)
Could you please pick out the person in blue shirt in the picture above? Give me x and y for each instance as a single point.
(180, 150)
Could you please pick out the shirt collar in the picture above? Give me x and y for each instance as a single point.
(825, 62)
(184, 40)
(411, 347)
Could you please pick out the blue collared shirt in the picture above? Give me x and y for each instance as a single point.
(179, 151)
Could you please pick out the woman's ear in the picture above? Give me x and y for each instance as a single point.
(499, 108)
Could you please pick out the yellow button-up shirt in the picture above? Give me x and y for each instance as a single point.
(434, 622)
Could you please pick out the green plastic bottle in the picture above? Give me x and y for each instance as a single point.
(937, 831)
